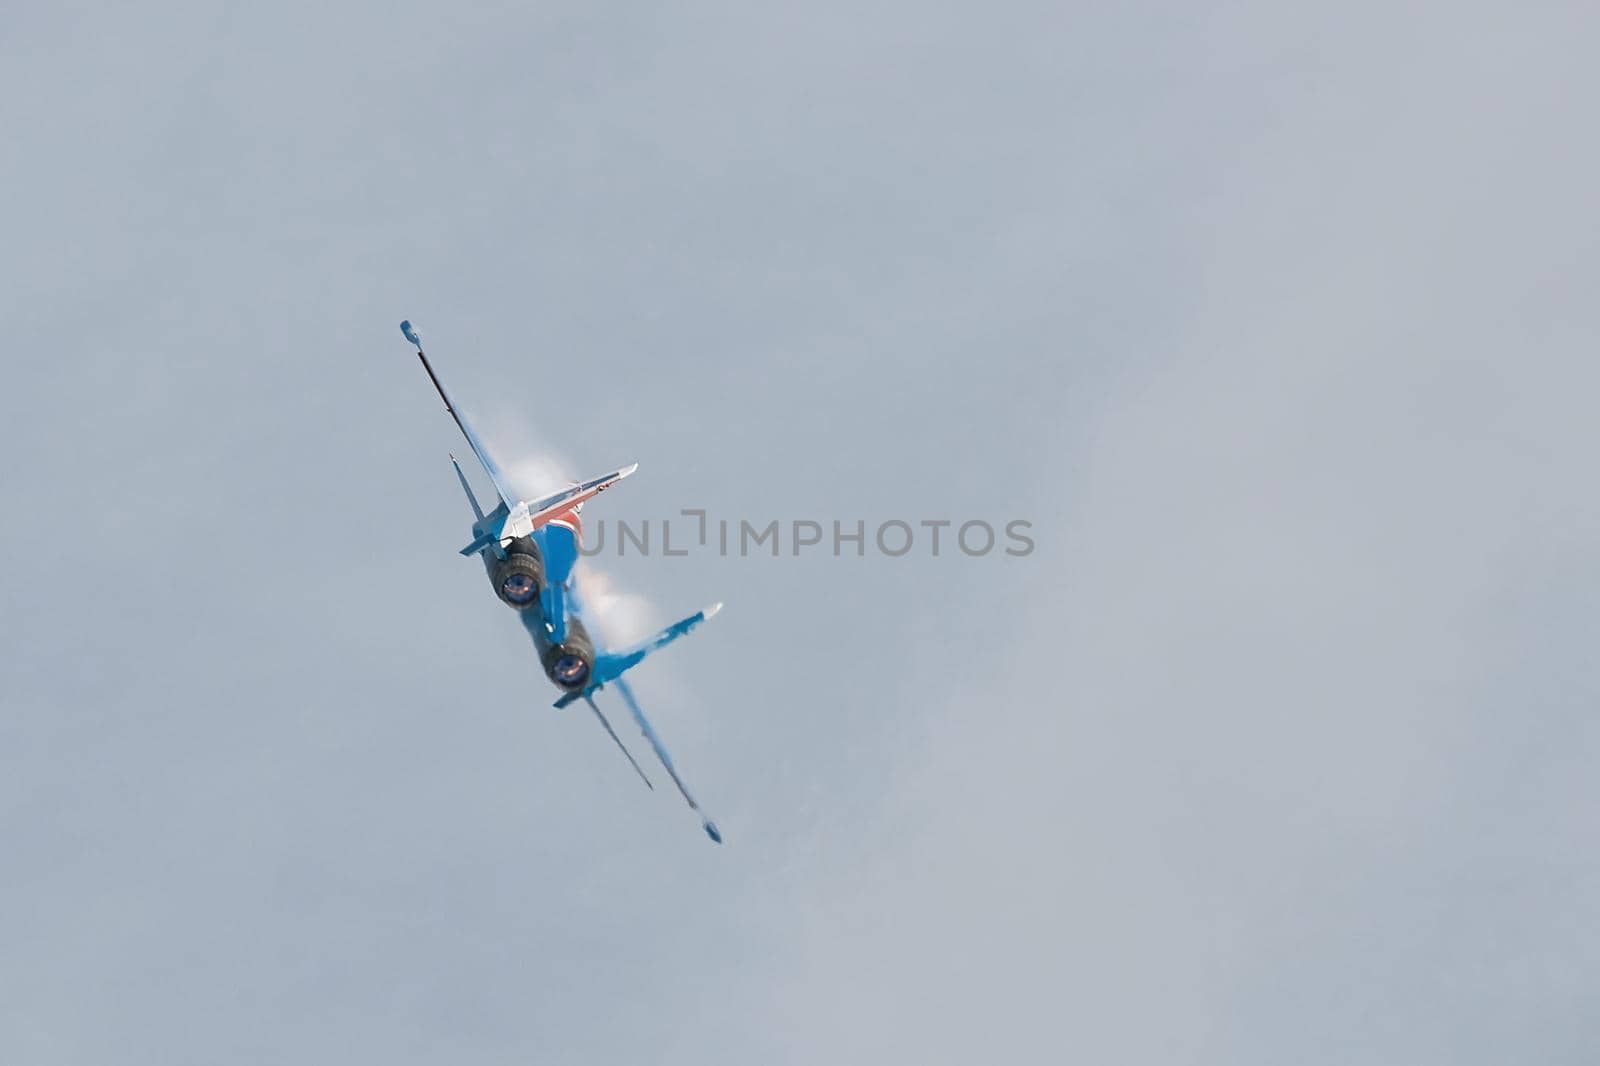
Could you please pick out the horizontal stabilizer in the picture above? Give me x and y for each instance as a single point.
(612, 733)
(477, 511)
(482, 541)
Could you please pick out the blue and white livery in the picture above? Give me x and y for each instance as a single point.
(530, 549)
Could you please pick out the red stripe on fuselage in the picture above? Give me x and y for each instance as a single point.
(571, 521)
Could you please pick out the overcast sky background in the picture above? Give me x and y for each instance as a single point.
(1278, 324)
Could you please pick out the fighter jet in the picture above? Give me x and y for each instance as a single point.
(530, 549)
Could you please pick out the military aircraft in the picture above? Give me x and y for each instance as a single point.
(530, 549)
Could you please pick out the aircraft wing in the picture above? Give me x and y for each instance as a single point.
(649, 732)
(608, 670)
(496, 472)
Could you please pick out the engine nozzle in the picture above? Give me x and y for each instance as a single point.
(517, 579)
(570, 663)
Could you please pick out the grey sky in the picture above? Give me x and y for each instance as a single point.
(1278, 324)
